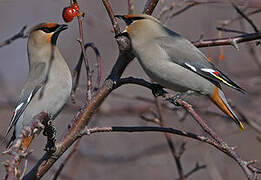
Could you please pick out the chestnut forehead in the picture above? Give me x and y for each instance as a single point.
(49, 25)
(134, 17)
(129, 16)
(46, 27)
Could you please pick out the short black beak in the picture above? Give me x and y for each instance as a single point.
(61, 27)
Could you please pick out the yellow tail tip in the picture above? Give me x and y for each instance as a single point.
(241, 127)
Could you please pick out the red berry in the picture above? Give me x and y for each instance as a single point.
(75, 6)
(68, 14)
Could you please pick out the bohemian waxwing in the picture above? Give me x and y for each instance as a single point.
(174, 62)
(49, 81)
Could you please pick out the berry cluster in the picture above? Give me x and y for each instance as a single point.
(70, 12)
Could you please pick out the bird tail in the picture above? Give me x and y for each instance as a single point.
(219, 99)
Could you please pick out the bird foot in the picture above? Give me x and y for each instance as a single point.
(50, 150)
(176, 97)
(50, 133)
(157, 90)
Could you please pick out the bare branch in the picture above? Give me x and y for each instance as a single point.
(230, 30)
(191, 4)
(195, 169)
(245, 17)
(130, 6)
(150, 6)
(169, 141)
(228, 41)
(98, 64)
(20, 34)
(222, 145)
(88, 75)
(19, 148)
(74, 149)
(230, 21)
(112, 17)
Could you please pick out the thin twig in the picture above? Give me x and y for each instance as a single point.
(74, 149)
(20, 34)
(19, 150)
(98, 64)
(228, 41)
(190, 5)
(245, 17)
(150, 6)
(230, 30)
(112, 17)
(89, 131)
(165, 9)
(77, 69)
(199, 120)
(88, 74)
(169, 141)
(154, 120)
(230, 21)
(251, 49)
(130, 6)
(195, 169)
(228, 150)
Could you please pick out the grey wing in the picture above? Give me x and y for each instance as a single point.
(32, 85)
(184, 53)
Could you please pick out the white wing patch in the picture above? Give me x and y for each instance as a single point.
(18, 107)
(208, 70)
(191, 67)
(29, 98)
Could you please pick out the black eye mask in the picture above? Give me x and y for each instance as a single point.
(128, 21)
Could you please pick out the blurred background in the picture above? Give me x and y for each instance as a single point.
(136, 155)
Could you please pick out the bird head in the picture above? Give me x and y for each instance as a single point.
(131, 18)
(46, 33)
(141, 26)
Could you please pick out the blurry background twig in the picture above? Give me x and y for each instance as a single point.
(20, 34)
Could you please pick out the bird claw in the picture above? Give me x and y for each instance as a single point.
(174, 99)
(50, 150)
(157, 90)
(50, 132)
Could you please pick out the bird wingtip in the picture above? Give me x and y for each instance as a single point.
(241, 127)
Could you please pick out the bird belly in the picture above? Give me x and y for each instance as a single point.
(41, 101)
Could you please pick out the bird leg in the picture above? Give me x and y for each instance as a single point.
(50, 133)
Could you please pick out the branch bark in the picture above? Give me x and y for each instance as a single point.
(228, 41)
